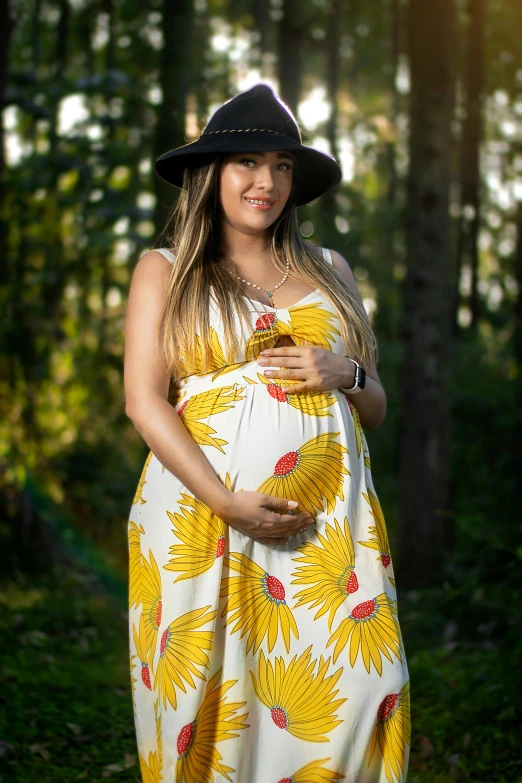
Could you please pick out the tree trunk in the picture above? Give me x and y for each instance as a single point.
(388, 218)
(289, 54)
(7, 24)
(175, 78)
(395, 45)
(332, 80)
(469, 219)
(327, 209)
(424, 442)
(517, 336)
(55, 277)
(202, 62)
(261, 14)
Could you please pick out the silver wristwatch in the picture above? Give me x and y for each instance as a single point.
(359, 380)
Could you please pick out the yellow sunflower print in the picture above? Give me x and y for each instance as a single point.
(203, 405)
(373, 630)
(395, 610)
(256, 603)
(151, 600)
(215, 721)
(311, 324)
(132, 679)
(359, 432)
(295, 644)
(328, 570)
(300, 702)
(151, 771)
(379, 539)
(313, 403)
(138, 497)
(265, 335)
(142, 651)
(311, 475)
(392, 732)
(135, 573)
(203, 537)
(217, 358)
(182, 650)
(314, 772)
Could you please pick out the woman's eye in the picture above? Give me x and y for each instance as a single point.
(251, 160)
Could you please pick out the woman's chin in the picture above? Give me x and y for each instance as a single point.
(260, 221)
(253, 225)
(256, 226)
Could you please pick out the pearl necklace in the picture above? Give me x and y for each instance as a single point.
(270, 294)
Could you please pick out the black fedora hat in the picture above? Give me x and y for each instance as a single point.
(254, 121)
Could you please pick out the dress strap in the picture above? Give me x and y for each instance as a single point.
(327, 256)
(167, 253)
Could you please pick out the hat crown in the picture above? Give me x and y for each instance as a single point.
(255, 109)
(254, 121)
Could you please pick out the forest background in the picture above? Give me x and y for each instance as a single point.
(421, 104)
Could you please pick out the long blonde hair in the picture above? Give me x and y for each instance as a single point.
(199, 272)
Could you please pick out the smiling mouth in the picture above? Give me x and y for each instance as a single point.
(260, 203)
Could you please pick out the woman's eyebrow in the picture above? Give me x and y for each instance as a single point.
(279, 155)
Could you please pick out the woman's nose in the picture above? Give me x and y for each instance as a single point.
(265, 176)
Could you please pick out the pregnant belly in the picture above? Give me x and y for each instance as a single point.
(258, 438)
(292, 446)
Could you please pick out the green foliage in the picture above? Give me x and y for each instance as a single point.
(463, 637)
(65, 687)
(81, 204)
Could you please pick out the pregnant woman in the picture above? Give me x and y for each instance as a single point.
(265, 645)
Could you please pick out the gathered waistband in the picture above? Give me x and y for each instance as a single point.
(245, 374)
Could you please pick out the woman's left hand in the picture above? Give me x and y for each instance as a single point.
(309, 367)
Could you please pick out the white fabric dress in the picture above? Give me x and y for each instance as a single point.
(267, 664)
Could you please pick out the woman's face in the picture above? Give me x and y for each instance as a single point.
(247, 178)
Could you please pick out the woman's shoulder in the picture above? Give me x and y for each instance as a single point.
(321, 251)
(335, 259)
(327, 255)
(164, 251)
(342, 267)
(151, 270)
(344, 270)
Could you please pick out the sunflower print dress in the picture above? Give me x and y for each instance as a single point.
(267, 664)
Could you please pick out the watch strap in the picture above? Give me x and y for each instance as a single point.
(355, 389)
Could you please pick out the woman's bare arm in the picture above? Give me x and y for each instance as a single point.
(259, 515)
(371, 401)
(147, 384)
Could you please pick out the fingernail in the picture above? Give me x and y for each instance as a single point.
(292, 503)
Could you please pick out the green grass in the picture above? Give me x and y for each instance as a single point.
(66, 700)
(64, 685)
(464, 693)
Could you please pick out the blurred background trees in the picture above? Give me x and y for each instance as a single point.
(421, 104)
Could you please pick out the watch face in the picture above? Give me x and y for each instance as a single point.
(361, 381)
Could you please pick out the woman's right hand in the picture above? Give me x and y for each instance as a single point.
(265, 518)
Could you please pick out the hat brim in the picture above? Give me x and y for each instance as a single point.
(319, 173)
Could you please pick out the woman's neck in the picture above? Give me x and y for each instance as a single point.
(247, 251)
